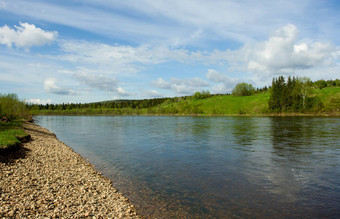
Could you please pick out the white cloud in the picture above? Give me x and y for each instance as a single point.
(3, 5)
(181, 86)
(50, 86)
(39, 101)
(161, 83)
(99, 82)
(191, 82)
(121, 92)
(115, 59)
(100, 53)
(185, 22)
(282, 53)
(225, 83)
(181, 22)
(26, 35)
(127, 60)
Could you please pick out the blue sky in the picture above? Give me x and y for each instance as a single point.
(87, 51)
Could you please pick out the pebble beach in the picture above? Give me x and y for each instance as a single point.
(46, 178)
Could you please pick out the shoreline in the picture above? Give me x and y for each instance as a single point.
(204, 115)
(46, 178)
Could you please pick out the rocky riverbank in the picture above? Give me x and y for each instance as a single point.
(45, 178)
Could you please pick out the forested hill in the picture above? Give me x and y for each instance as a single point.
(284, 96)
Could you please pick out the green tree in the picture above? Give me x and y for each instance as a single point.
(12, 108)
(243, 89)
(292, 95)
(305, 89)
(275, 102)
(321, 84)
(201, 95)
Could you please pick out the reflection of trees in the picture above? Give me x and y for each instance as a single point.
(200, 127)
(291, 134)
(292, 139)
(245, 131)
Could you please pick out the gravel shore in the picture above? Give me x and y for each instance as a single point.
(45, 178)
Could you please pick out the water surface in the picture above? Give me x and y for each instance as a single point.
(253, 167)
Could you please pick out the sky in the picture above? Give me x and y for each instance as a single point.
(57, 51)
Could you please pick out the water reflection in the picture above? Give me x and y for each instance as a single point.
(245, 132)
(298, 162)
(290, 134)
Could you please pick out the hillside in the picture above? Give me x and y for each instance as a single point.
(256, 104)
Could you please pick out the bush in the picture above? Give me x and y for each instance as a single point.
(322, 84)
(314, 104)
(201, 95)
(333, 105)
(243, 89)
(12, 108)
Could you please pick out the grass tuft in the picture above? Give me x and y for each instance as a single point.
(11, 135)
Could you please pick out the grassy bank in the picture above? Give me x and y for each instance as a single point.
(11, 135)
(222, 105)
(13, 112)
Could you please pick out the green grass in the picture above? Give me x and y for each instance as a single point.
(10, 133)
(233, 105)
(219, 105)
(330, 98)
(251, 105)
(326, 94)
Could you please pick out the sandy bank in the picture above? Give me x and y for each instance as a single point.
(45, 178)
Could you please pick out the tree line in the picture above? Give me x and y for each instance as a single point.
(122, 104)
(114, 104)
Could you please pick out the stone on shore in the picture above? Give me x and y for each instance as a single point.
(49, 179)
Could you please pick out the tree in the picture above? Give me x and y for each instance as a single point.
(243, 89)
(293, 95)
(276, 101)
(201, 95)
(11, 107)
(321, 84)
(305, 89)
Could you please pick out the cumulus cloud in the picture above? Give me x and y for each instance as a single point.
(225, 83)
(181, 86)
(99, 82)
(161, 83)
(282, 53)
(39, 101)
(121, 92)
(50, 86)
(25, 36)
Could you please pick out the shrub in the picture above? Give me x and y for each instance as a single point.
(12, 108)
(201, 95)
(243, 89)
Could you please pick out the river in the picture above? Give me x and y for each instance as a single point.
(213, 167)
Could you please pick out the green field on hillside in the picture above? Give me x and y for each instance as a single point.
(225, 105)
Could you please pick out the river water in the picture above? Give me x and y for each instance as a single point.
(213, 167)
